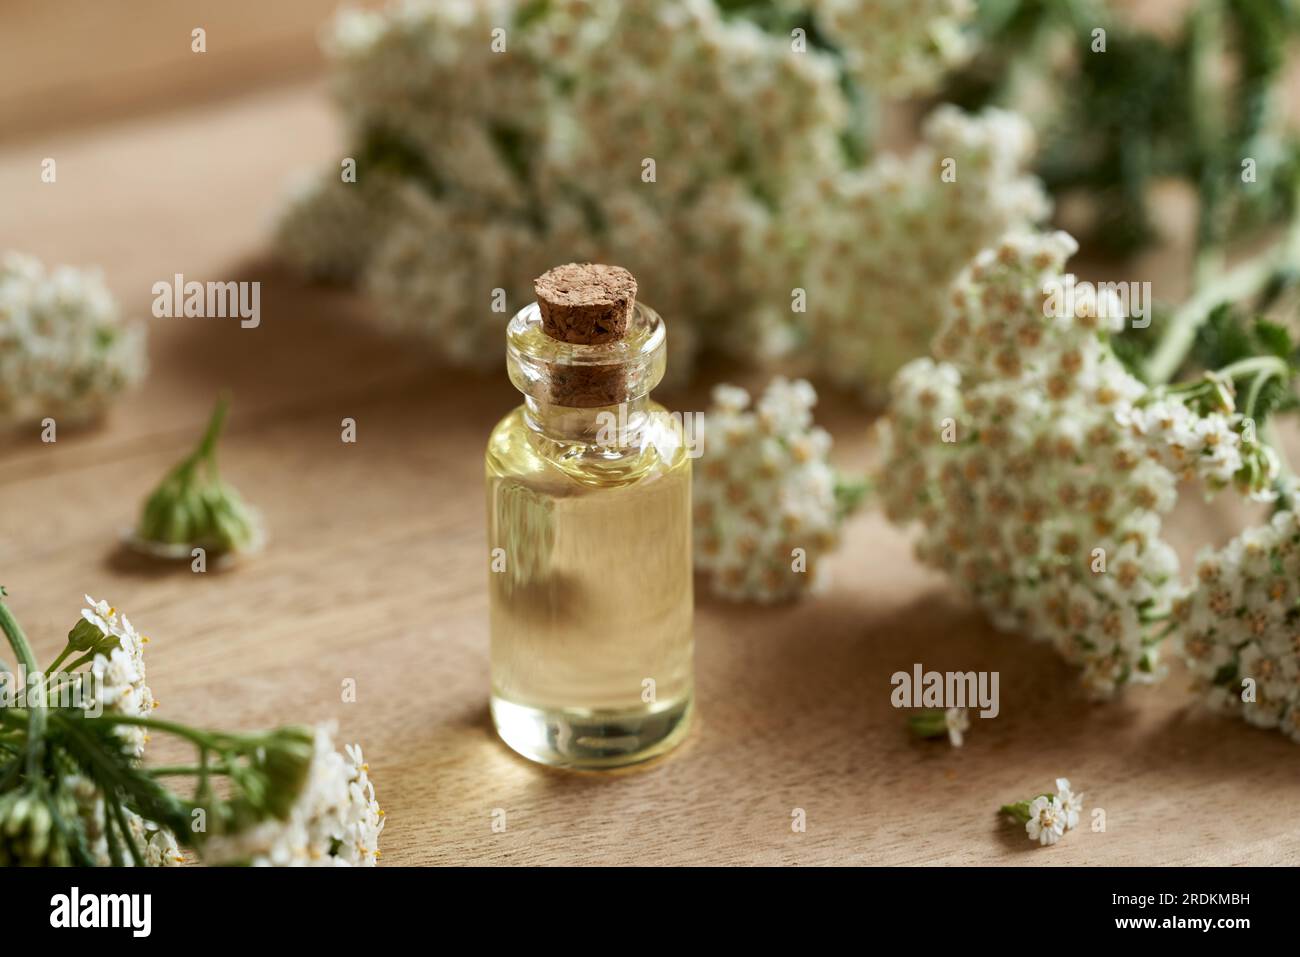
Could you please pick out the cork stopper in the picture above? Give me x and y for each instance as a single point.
(585, 303)
(587, 310)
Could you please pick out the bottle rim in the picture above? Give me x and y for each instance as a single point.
(545, 368)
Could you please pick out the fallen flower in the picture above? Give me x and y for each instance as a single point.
(193, 508)
(937, 722)
(1047, 817)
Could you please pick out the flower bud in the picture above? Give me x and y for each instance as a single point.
(193, 507)
(28, 837)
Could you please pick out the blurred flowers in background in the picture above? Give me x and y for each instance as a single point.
(1127, 97)
(719, 150)
(876, 247)
(65, 352)
(728, 152)
(900, 47)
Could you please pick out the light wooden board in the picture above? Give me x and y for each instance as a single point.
(87, 61)
(376, 572)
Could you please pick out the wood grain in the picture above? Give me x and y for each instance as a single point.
(66, 61)
(376, 567)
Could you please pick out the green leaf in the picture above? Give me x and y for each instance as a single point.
(1157, 109)
(1274, 396)
(1223, 339)
(1227, 337)
(1275, 339)
(850, 491)
(1225, 674)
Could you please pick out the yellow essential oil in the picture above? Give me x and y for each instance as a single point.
(589, 512)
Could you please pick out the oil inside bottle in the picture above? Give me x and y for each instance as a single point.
(591, 592)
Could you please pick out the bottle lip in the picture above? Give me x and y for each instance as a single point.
(581, 375)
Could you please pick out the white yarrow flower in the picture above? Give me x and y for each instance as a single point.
(1237, 626)
(1039, 470)
(901, 47)
(766, 512)
(1046, 821)
(335, 821)
(479, 168)
(1071, 804)
(958, 723)
(117, 680)
(65, 352)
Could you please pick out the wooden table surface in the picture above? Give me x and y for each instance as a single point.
(376, 572)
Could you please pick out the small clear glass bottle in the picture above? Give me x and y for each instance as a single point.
(589, 529)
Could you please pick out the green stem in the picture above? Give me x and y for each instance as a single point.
(36, 710)
(17, 640)
(1206, 35)
(1244, 281)
(929, 723)
(203, 739)
(114, 848)
(1257, 387)
(53, 665)
(118, 816)
(208, 444)
(180, 730)
(203, 787)
(1019, 811)
(1267, 366)
(850, 490)
(1269, 434)
(207, 447)
(85, 659)
(170, 770)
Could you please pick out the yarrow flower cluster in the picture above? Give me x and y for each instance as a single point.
(880, 245)
(113, 684)
(495, 139)
(328, 226)
(768, 508)
(158, 844)
(65, 352)
(116, 668)
(335, 822)
(901, 47)
(192, 507)
(73, 789)
(1039, 469)
(1239, 626)
(1047, 817)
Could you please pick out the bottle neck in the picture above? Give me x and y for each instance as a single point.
(614, 427)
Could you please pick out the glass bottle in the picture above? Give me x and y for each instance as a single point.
(589, 532)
